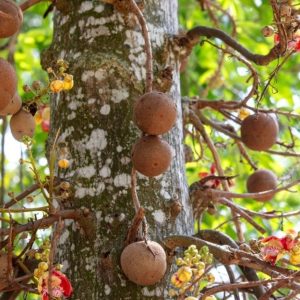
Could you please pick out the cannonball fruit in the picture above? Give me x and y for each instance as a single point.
(144, 264)
(151, 155)
(22, 124)
(8, 82)
(259, 131)
(13, 106)
(261, 181)
(11, 18)
(155, 113)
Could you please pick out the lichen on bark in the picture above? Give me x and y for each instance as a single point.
(107, 58)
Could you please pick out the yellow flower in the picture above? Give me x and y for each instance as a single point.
(43, 266)
(243, 113)
(38, 118)
(63, 163)
(176, 282)
(210, 298)
(56, 86)
(185, 274)
(190, 298)
(68, 85)
(295, 259)
(68, 82)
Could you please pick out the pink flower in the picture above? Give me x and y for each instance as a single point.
(293, 44)
(60, 285)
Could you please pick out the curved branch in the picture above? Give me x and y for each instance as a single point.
(228, 255)
(219, 193)
(195, 33)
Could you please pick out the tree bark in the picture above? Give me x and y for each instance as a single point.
(106, 55)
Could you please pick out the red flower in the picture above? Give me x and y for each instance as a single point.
(293, 44)
(60, 285)
(274, 248)
(214, 183)
(45, 126)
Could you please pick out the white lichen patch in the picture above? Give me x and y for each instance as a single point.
(119, 148)
(71, 116)
(150, 293)
(105, 109)
(85, 6)
(86, 172)
(100, 74)
(118, 95)
(159, 216)
(91, 33)
(82, 192)
(165, 194)
(99, 8)
(107, 290)
(91, 101)
(125, 160)
(65, 265)
(87, 74)
(122, 180)
(64, 237)
(105, 172)
(97, 140)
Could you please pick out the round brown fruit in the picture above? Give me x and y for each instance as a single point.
(13, 106)
(155, 113)
(259, 131)
(151, 155)
(8, 80)
(22, 124)
(11, 18)
(144, 264)
(261, 181)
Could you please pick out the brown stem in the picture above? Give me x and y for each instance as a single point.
(197, 123)
(227, 194)
(242, 213)
(44, 222)
(227, 255)
(23, 195)
(149, 64)
(195, 33)
(242, 285)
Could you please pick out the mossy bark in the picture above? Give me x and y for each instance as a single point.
(106, 55)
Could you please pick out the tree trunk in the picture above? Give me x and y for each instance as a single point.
(105, 50)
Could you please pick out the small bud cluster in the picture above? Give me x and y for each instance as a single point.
(61, 81)
(191, 277)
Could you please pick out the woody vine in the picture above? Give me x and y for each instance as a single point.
(143, 261)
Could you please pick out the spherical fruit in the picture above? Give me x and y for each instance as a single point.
(13, 106)
(151, 155)
(8, 82)
(261, 181)
(22, 124)
(11, 18)
(259, 131)
(144, 264)
(155, 113)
